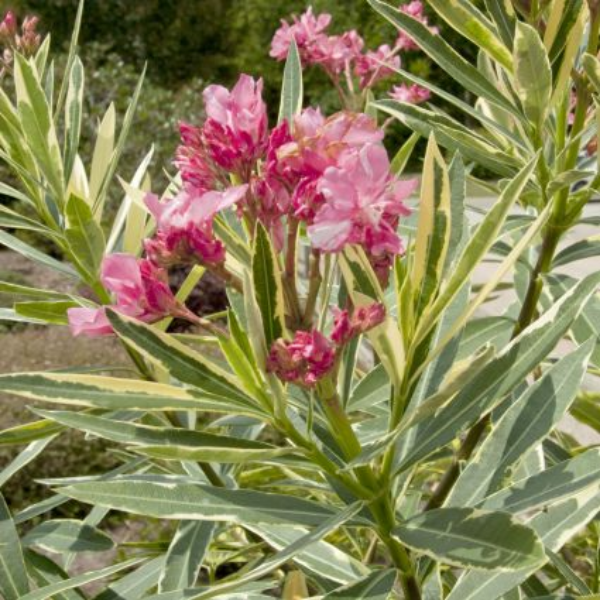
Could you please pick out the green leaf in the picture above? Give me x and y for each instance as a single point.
(364, 289)
(444, 55)
(51, 590)
(377, 586)
(556, 484)
(38, 127)
(502, 374)
(35, 255)
(29, 432)
(472, 24)
(68, 535)
(469, 538)
(321, 558)
(580, 250)
(291, 91)
(591, 66)
(478, 245)
(119, 147)
(134, 585)
(504, 17)
(103, 150)
(555, 526)
(452, 135)
(199, 502)
(267, 286)
(44, 572)
(48, 312)
(112, 393)
(403, 155)
(327, 527)
(13, 575)
(526, 423)
(13, 220)
(84, 236)
(33, 450)
(182, 363)
(185, 555)
(586, 409)
(433, 230)
(533, 75)
(73, 114)
(167, 442)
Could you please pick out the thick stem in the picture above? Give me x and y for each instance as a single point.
(314, 284)
(289, 274)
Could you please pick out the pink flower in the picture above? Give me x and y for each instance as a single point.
(91, 322)
(376, 65)
(415, 10)
(361, 196)
(319, 143)
(8, 27)
(412, 94)
(362, 320)
(184, 226)
(335, 52)
(304, 360)
(307, 31)
(235, 132)
(141, 290)
(192, 160)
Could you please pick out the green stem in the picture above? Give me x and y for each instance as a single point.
(381, 506)
(289, 275)
(314, 284)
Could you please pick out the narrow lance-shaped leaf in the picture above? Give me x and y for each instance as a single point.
(68, 535)
(73, 114)
(185, 555)
(433, 231)
(44, 571)
(291, 91)
(533, 75)
(113, 393)
(471, 23)
(365, 289)
(38, 126)
(199, 502)
(555, 526)
(591, 66)
(523, 425)
(481, 241)
(52, 590)
(321, 558)
(564, 480)
(105, 143)
(13, 575)
(469, 538)
(444, 55)
(267, 285)
(183, 363)
(169, 442)
(502, 374)
(377, 586)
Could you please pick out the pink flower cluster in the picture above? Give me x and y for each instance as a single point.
(344, 53)
(26, 42)
(331, 173)
(141, 290)
(303, 360)
(334, 53)
(310, 356)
